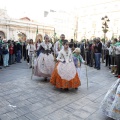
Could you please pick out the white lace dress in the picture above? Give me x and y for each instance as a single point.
(45, 62)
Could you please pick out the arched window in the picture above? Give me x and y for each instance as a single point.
(2, 34)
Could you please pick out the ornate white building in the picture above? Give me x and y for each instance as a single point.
(23, 28)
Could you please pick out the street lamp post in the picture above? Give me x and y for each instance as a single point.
(105, 26)
(105, 30)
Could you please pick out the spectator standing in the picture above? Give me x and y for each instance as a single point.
(31, 49)
(82, 46)
(108, 54)
(1, 51)
(5, 53)
(18, 51)
(38, 46)
(98, 50)
(72, 45)
(24, 50)
(11, 51)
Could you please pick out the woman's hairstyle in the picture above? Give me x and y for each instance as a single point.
(65, 41)
(45, 36)
(31, 40)
(115, 39)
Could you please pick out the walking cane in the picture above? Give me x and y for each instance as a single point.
(32, 66)
(86, 68)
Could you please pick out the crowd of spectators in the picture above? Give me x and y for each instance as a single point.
(10, 52)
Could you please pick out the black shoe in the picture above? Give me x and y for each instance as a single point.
(0, 68)
(66, 89)
(19, 62)
(76, 88)
(45, 79)
(98, 68)
(30, 67)
(116, 75)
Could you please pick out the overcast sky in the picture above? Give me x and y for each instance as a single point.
(34, 8)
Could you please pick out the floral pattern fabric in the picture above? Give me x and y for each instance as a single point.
(66, 71)
(111, 102)
(61, 82)
(44, 65)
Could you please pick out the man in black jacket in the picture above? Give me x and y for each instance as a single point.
(98, 50)
(18, 50)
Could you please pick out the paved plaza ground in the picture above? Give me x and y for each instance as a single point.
(24, 99)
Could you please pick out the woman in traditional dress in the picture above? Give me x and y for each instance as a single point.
(65, 74)
(111, 103)
(45, 62)
(78, 60)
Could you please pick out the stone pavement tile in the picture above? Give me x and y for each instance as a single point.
(19, 112)
(46, 102)
(94, 104)
(1, 105)
(46, 110)
(82, 102)
(15, 119)
(1, 94)
(12, 115)
(49, 93)
(25, 109)
(84, 90)
(40, 113)
(27, 96)
(74, 106)
(58, 115)
(89, 108)
(69, 109)
(72, 117)
(5, 103)
(22, 103)
(30, 116)
(21, 98)
(22, 118)
(99, 100)
(5, 117)
(57, 97)
(7, 97)
(6, 109)
(66, 101)
(81, 113)
(1, 99)
(13, 100)
(35, 106)
(93, 96)
(45, 118)
(35, 99)
(97, 116)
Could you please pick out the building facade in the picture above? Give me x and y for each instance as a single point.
(23, 28)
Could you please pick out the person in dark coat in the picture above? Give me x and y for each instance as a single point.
(98, 50)
(19, 49)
